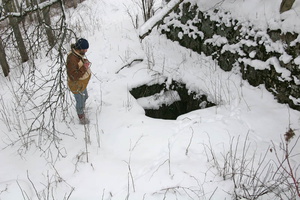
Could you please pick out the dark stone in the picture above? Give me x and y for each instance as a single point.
(253, 76)
(226, 60)
(275, 35)
(286, 5)
(281, 89)
(146, 90)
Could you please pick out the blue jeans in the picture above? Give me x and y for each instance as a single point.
(80, 101)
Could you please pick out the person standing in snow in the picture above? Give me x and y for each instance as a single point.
(79, 74)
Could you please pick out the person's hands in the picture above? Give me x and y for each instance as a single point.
(86, 64)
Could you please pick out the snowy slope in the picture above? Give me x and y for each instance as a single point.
(131, 156)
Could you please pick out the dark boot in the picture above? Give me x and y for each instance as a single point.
(83, 119)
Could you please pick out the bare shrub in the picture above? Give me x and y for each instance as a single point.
(254, 177)
(48, 190)
(146, 7)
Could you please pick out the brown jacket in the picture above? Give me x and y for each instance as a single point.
(78, 75)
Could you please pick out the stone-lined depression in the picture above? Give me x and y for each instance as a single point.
(164, 101)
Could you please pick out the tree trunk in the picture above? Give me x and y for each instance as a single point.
(3, 61)
(286, 5)
(49, 32)
(75, 3)
(16, 6)
(71, 3)
(38, 16)
(28, 4)
(9, 7)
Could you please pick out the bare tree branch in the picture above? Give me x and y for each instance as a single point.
(146, 28)
(25, 11)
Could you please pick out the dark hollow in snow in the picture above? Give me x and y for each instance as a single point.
(189, 101)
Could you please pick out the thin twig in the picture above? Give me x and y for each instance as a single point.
(129, 64)
(187, 149)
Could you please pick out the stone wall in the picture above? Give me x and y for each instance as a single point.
(263, 57)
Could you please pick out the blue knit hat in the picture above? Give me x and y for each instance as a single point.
(82, 44)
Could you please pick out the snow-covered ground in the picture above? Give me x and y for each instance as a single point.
(132, 156)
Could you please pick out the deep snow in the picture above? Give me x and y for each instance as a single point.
(135, 157)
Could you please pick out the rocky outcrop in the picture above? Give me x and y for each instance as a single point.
(264, 57)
